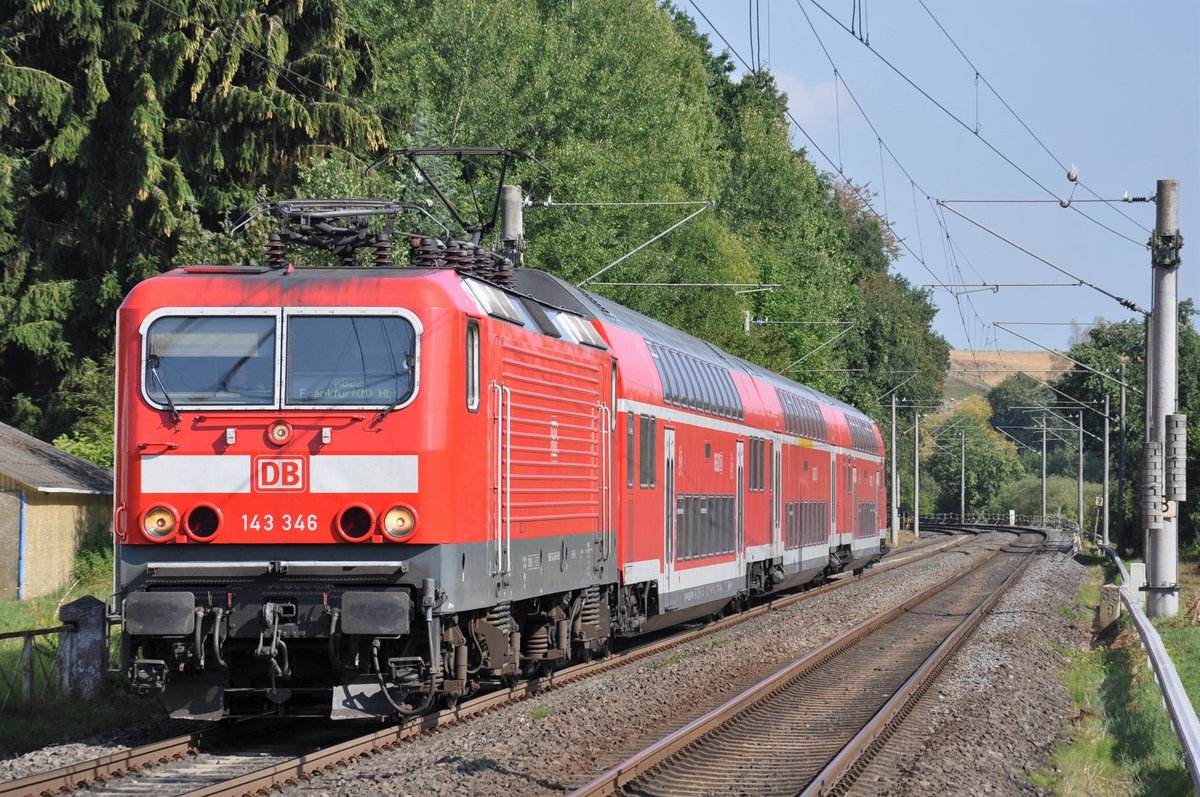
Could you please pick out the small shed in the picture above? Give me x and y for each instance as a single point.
(50, 502)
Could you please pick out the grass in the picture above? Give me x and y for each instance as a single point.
(1181, 637)
(51, 717)
(1122, 743)
(63, 719)
(540, 713)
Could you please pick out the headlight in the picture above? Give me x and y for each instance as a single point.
(159, 523)
(399, 522)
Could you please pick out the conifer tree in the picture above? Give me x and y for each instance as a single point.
(127, 130)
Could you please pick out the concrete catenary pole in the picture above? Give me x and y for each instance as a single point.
(1107, 431)
(1079, 482)
(1165, 244)
(1043, 470)
(895, 485)
(962, 478)
(1125, 541)
(917, 474)
(1148, 401)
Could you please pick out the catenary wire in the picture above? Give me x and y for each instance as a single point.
(967, 127)
(979, 76)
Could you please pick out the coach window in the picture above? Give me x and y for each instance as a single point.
(648, 449)
(671, 367)
(696, 391)
(473, 365)
(210, 360)
(705, 379)
(670, 391)
(350, 360)
(751, 480)
(629, 449)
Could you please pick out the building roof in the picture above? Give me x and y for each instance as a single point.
(48, 469)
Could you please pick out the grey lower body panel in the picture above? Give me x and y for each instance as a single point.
(467, 573)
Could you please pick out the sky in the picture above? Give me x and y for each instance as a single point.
(1108, 88)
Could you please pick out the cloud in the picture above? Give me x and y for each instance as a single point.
(812, 106)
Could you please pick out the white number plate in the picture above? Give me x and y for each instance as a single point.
(285, 522)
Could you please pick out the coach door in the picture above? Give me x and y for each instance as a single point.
(776, 497)
(669, 511)
(855, 515)
(739, 498)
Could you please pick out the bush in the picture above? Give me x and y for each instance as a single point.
(93, 570)
(1025, 496)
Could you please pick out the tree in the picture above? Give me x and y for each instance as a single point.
(1010, 402)
(129, 130)
(1105, 349)
(991, 459)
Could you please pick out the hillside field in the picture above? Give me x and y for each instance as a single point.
(980, 371)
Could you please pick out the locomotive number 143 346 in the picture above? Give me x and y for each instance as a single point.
(284, 522)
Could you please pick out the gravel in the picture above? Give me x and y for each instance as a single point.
(555, 741)
(93, 746)
(997, 711)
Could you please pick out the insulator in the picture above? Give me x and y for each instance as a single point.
(503, 273)
(428, 253)
(1152, 486)
(1176, 457)
(483, 261)
(276, 251)
(383, 251)
(460, 256)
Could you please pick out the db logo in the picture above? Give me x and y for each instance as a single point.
(279, 474)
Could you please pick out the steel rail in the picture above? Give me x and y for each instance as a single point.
(298, 769)
(641, 763)
(1179, 706)
(841, 772)
(74, 776)
(114, 765)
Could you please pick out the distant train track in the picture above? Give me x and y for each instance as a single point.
(201, 763)
(812, 726)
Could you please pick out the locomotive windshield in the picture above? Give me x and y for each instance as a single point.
(211, 360)
(349, 360)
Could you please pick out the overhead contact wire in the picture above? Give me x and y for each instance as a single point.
(1017, 116)
(967, 127)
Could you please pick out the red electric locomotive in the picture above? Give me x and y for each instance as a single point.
(353, 492)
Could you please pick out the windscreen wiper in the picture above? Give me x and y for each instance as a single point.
(153, 361)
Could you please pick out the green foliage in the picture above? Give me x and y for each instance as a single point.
(1009, 401)
(991, 458)
(1062, 497)
(134, 135)
(126, 130)
(1105, 349)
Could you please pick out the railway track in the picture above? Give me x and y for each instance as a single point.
(812, 726)
(233, 759)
